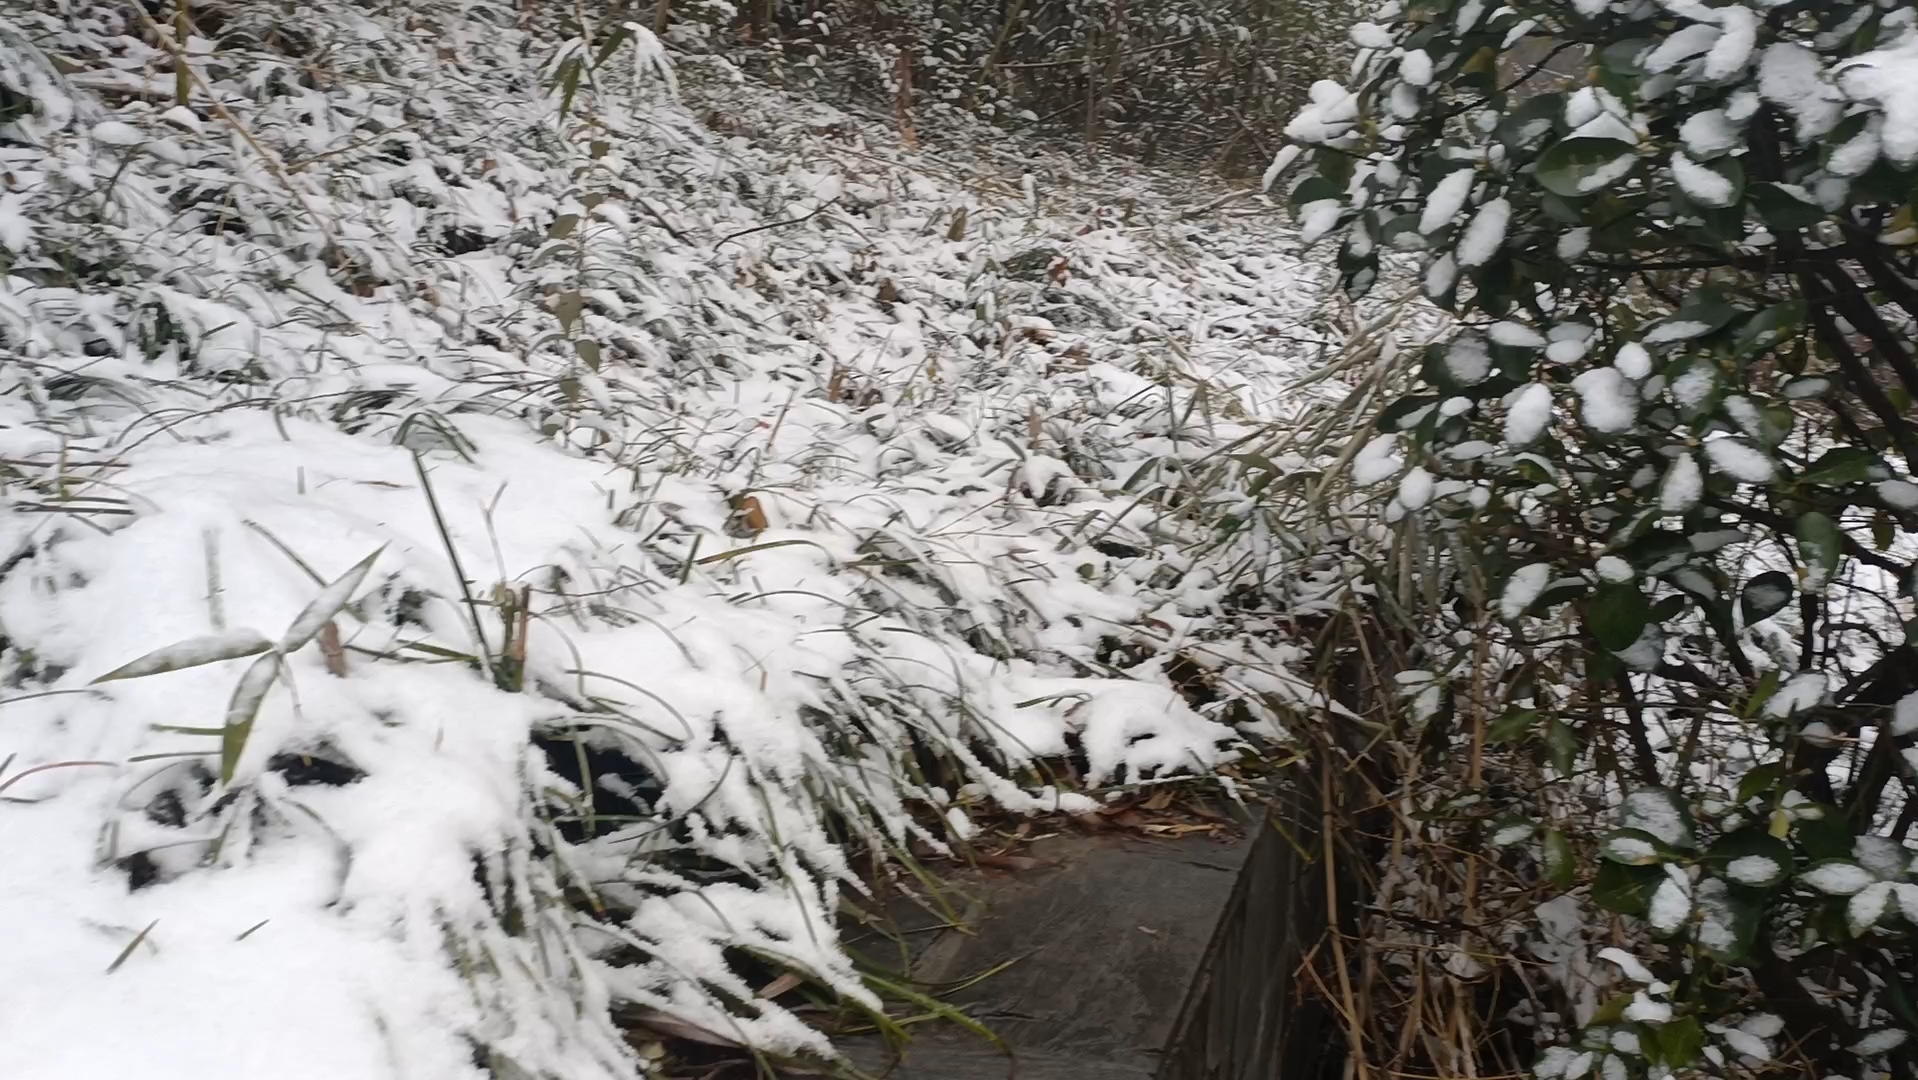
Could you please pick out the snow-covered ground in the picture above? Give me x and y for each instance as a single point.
(445, 435)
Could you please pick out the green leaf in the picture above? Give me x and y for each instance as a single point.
(1740, 858)
(1621, 57)
(569, 306)
(612, 44)
(241, 710)
(1765, 595)
(1680, 1041)
(1389, 418)
(588, 351)
(1658, 811)
(562, 227)
(569, 85)
(1771, 326)
(1633, 847)
(1574, 168)
(193, 652)
(1728, 918)
(1820, 546)
(1669, 608)
(1703, 314)
(1729, 170)
(1314, 189)
(1759, 780)
(1768, 684)
(1561, 743)
(1624, 889)
(1560, 865)
(1843, 465)
(1782, 210)
(1513, 724)
(1529, 122)
(1617, 615)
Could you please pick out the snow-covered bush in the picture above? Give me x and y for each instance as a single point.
(1651, 512)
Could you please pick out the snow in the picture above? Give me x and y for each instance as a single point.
(1574, 243)
(1688, 41)
(1888, 78)
(1753, 870)
(1565, 351)
(1486, 234)
(773, 548)
(1606, 399)
(1415, 67)
(1733, 50)
(1791, 77)
(1602, 177)
(1801, 692)
(1879, 1042)
(1318, 218)
(1330, 114)
(1740, 460)
(1671, 905)
(1379, 460)
(1904, 715)
(1630, 965)
(1633, 361)
(1528, 413)
(1683, 486)
(1899, 494)
(1468, 361)
(1369, 35)
(1643, 1009)
(1837, 879)
(1868, 905)
(1281, 161)
(1694, 386)
(1709, 133)
(1516, 335)
(1703, 185)
(1415, 488)
(1526, 585)
(1654, 812)
(1631, 850)
(1676, 330)
(1447, 200)
(1613, 568)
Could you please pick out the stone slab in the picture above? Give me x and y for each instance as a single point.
(1101, 945)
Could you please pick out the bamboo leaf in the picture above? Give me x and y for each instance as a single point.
(241, 710)
(327, 604)
(193, 652)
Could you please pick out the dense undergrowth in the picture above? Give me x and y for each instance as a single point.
(547, 509)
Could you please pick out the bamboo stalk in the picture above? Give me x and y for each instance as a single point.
(182, 73)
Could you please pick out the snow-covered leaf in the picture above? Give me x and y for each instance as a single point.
(1837, 878)
(194, 652)
(326, 605)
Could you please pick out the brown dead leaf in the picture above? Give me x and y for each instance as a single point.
(332, 650)
(752, 515)
(783, 985)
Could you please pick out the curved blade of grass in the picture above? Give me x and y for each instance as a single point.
(193, 652)
(241, 710)
(936, 1007)
(131, 945)
(328, 604)
(768, 546)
